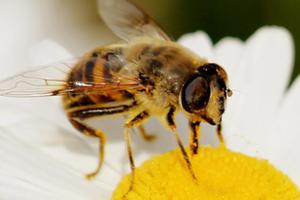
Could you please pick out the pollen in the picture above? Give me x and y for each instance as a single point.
(221, 175)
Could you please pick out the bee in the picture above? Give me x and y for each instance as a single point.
(147, 74)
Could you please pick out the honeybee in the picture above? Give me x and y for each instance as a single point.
(146, 75)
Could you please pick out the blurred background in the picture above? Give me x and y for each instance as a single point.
(75, 24)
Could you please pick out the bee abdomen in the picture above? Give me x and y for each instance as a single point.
(96, 68)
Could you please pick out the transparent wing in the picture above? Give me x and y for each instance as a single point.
(52, 81)
(129, 21)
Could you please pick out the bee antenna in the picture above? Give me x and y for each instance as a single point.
(236, 91)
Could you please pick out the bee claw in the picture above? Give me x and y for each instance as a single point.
(91, 176)
(222, 145)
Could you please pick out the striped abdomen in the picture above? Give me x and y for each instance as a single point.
(97, 67)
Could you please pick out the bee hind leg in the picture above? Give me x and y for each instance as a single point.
(88, 131)
(80, 114)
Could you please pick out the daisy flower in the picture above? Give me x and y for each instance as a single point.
(43, 157)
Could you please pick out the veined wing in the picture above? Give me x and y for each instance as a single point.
(128, 21)
(53, 80)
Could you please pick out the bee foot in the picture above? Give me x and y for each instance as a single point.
(91, 176)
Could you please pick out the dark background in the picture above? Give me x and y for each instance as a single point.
(220, 18)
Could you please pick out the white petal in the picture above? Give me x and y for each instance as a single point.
(47, 52)
(228, 53)
(31, 172)
(199, 42)
(70, 147)
(283, 144)
(265, 68)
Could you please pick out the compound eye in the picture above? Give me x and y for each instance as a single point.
(195, 94)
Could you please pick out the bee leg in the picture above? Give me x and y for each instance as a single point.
(83, 113)
(220, 135)
(195, 135)
(145, 134)
(170, 118)
(130, 156)
(136, 121)
(139, 119)
(86, 130)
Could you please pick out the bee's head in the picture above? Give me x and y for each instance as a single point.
(205, 93)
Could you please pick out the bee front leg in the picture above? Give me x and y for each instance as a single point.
(170, 119)
(194, 136)
(220, 135)
(86, 130)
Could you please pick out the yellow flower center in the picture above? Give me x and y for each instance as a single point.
(221, 175)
